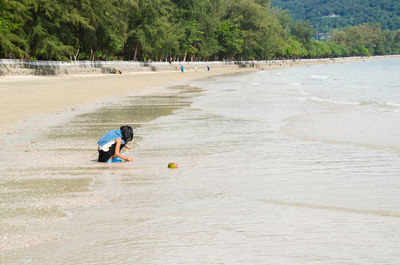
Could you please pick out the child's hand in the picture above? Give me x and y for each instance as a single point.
(129, 159)
(128, 146)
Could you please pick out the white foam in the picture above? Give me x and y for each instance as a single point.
(392, 104)
(319, 77)
(388, 107)
(304, 93)
(338, 102)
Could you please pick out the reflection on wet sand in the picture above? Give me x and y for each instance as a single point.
(59, 173)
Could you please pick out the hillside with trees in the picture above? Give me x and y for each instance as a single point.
(337, 14)
(178, 30)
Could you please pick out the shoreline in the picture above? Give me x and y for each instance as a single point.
(28, 96)
(21, 68)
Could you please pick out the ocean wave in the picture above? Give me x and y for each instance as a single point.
(295, 84)
(319, 77)
(392, 104)
(304, 93)
(380, 106)
(338, 102)
(388, 106)
(383, 213)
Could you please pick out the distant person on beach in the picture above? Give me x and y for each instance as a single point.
(111, 144)
(182, 68)
(208, 68)
(115, 71)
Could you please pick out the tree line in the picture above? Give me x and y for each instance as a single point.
(173, 30)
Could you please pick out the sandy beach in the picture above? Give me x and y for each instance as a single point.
(24, 96)
(294, 165)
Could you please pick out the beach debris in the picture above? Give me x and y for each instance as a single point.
(172, 165)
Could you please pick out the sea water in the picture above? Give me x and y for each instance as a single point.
(288, 166)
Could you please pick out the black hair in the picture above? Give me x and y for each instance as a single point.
(127, 133)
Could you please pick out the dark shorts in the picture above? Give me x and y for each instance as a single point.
(104, 156)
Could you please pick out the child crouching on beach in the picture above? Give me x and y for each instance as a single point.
(111, 144)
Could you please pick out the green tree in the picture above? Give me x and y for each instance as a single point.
(198, 20)
(184, 29)
(262, 33)
(295, 49)
(230, 38)
(12, 16)
(151, 33)
(110, 19)
(303, 32)
(320, 49)
(362, 40)
(284, 18)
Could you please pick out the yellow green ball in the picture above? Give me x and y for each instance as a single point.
(172, 165)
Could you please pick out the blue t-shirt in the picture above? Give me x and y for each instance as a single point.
(110, 136)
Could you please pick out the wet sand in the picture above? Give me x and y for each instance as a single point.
(56, 178)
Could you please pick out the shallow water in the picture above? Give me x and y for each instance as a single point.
(270, 173)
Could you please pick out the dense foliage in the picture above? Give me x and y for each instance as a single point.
(336, 14)
(164, 30)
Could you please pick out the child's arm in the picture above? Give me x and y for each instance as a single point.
(118, 154)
